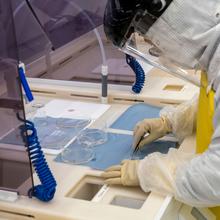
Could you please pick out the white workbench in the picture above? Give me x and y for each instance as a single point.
(65, 207)
(70, 178)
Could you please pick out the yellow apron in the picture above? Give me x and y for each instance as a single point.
(204, 122)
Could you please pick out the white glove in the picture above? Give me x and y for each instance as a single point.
(123, 174)
(153, 129)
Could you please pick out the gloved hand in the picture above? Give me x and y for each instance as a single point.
(153, 129)
(123, 174)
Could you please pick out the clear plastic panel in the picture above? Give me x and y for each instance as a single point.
(16, 173)
(144, 49)
(74, 27)
(32, 41)
(66, 20)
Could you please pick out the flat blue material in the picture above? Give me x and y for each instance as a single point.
(117, 148)
(134, 114)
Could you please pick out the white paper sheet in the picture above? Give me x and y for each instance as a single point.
(61, 108)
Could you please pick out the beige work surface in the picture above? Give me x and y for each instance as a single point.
(69, 177)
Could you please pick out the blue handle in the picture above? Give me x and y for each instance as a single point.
(25, 84)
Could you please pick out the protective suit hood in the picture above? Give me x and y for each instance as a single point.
(188, 34)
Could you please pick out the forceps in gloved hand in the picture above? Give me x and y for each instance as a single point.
(137, 146)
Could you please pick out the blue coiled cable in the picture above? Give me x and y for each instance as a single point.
(139, 72)
(46, 190)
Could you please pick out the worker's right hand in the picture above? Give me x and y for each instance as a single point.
(151, 130)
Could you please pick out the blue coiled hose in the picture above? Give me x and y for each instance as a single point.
(44, 192)
(139, 72)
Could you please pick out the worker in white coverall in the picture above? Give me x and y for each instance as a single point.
(187, 33)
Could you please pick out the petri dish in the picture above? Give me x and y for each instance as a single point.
(76, 123)
(40, 121)
(33, 107)
(77, 155)
(92, 137)
(56, 140)
(37, 105)
(40, 118)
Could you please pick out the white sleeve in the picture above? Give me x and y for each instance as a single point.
(182, 117)
(192, 179)
(199, 181)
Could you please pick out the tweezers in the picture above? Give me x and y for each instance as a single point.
(137, 146)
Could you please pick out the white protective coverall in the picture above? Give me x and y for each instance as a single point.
(188, 34)
(192, 179)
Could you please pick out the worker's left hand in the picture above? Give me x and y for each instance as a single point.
(123, 174)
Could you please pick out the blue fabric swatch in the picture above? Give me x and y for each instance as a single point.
(117, 148)
(134, 114)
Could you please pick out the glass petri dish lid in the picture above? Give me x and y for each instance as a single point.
(78, 123)
(92, 137)
(56, 140)
(77, 155)
(40, 121)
